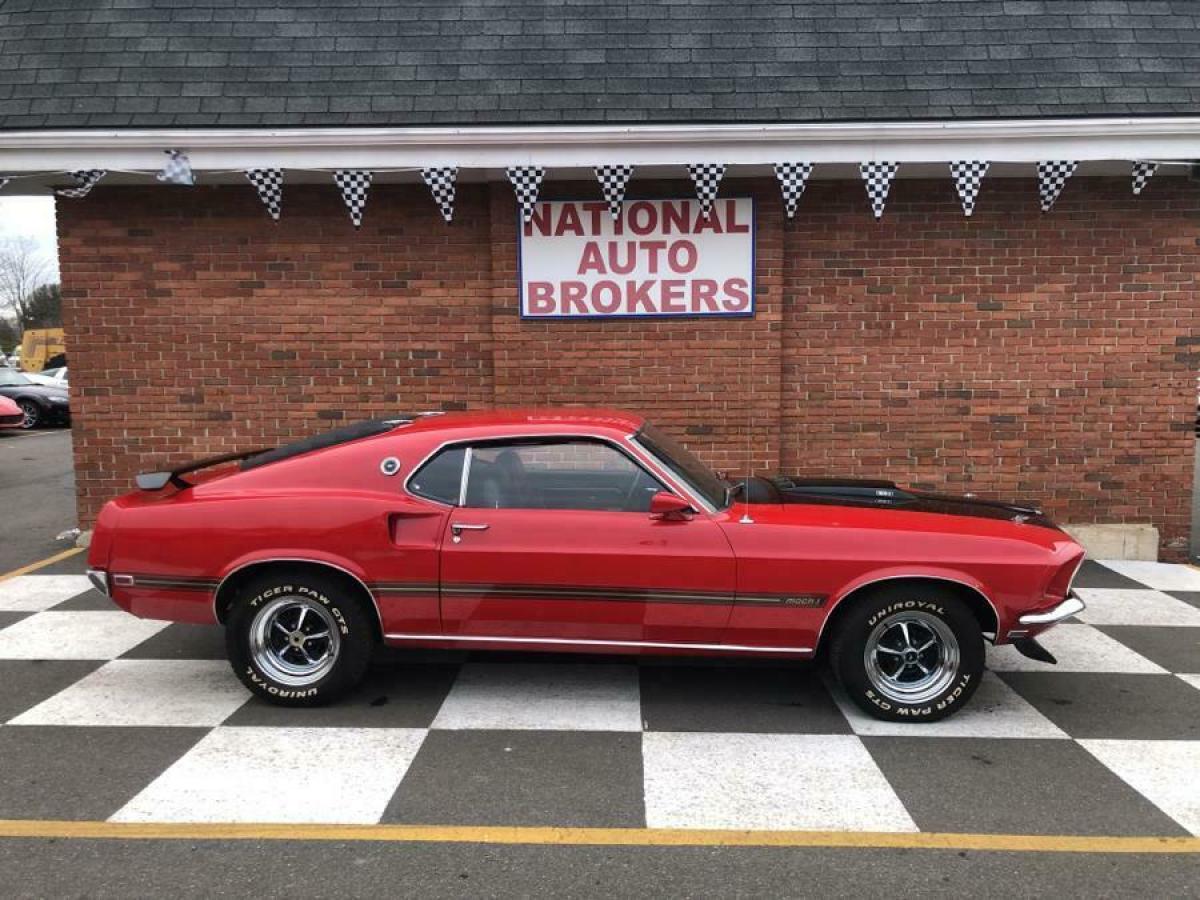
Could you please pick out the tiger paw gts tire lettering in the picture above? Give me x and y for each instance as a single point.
(298, 641)
(909, 653)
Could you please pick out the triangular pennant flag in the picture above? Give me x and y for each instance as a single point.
(878, 178)
(177, 170)
(1142, 172)
(707, 178)
(612, 183)
(793, 176)
(441, 183)
(526, 180)
(354, 185)
(85, 180)
(1052, 178)
(269, 184)
(968, 176)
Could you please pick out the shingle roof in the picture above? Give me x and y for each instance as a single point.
(176, 63)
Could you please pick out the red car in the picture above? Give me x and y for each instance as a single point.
(578, 530)
(11, 415)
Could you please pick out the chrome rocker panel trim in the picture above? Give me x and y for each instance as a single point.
(585, 642)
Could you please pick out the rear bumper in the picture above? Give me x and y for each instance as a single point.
(1069, 607)
(99, 580)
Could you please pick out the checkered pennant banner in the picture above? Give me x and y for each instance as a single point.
(968, 176)
(612, 183)
(793, 177)
(707, 179)
(177, 170)
(441, 183)
(877, 176)
(1142, 172)
(526, 180)
(354, 185)
(1052, 178)
(269, 184)
(85, 180)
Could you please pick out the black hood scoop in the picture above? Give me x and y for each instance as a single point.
(864, 492)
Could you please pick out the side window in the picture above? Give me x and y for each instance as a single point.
(440, 478)
(566, 474)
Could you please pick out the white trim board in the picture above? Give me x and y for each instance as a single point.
(583, 146)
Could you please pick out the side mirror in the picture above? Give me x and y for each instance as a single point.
(665, 505)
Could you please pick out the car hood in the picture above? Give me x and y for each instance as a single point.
(33, 390)
(878, 494)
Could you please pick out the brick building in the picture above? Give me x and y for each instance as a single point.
(1013, 353)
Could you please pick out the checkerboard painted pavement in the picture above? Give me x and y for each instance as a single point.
(105, 716)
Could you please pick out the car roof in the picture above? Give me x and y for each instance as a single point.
(538, 418)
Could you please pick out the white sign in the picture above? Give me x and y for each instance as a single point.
(659, 258)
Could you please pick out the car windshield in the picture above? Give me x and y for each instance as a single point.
(9, 378)
(685, 464)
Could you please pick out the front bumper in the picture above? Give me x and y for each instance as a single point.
(1072, 605)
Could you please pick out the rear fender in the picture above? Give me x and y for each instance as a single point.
(283, 555)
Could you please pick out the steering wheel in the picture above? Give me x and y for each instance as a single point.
(630, 494)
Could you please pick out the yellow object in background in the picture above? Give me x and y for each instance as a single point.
(39, 346)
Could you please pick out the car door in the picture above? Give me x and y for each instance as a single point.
(553, 539)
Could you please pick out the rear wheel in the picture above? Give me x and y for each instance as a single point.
(33, 415)
(909, 653)
(298, 640)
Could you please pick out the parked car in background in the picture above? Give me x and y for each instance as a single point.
(577, 530)
(40, 404)
(56, 377)
(11, 415)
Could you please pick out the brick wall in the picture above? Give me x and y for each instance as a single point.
(1014, 354)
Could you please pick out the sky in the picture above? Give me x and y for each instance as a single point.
(31, 217)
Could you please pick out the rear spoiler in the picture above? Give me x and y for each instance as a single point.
(156, 481)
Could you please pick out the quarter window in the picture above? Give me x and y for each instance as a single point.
(565, 474)
(441, 478)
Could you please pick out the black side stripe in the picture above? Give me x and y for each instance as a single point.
(174, 583)
(533, 592)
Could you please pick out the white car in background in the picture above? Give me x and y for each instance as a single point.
(56, 377)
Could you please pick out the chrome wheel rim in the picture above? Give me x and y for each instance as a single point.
(911, 657)
(30, 412)
(294, 640)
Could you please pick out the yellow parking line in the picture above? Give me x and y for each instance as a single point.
(41, 564)
(611, 837)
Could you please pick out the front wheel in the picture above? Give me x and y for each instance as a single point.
(32, 414)
(298, 641)
(909, 653)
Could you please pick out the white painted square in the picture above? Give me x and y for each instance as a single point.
(34, 593)
(767, 781)
(1125, 606)
(544, 697)
(1164, 772)
(1078, 648)
(292, 775)
(995, 711)
(193, 692)
(1160, 576)
(76, 635)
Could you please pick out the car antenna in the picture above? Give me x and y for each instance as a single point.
(745, 519)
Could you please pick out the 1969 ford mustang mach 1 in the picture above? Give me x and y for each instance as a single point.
(577, 530)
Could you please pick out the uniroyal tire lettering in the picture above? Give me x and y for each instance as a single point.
(905, 604)
(274, 691)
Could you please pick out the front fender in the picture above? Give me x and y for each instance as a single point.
(895, 573)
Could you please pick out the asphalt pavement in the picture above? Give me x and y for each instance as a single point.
(37, 494)
(36, 503)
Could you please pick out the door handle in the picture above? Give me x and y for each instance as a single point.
(457, 528)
